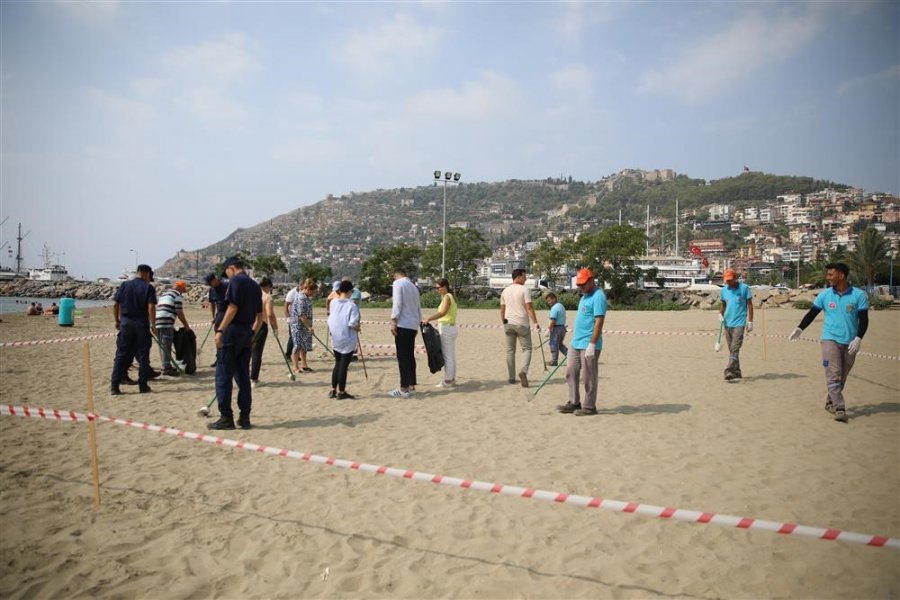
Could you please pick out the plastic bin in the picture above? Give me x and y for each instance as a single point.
(66, 312)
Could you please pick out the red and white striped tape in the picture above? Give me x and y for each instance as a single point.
(648, 510)
(57, 340)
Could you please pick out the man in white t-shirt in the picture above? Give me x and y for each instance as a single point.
(515, 311)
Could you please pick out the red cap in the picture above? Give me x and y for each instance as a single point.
(729, 275)
(583, 276)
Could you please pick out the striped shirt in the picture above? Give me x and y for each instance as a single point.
(168, 305)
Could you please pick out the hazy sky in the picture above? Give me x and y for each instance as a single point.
(143, 128)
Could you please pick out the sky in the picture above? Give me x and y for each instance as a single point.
(131, 130)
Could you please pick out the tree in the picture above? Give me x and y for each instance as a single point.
(269, 265)
(610, 253)
(377, 273)
(549, 260)
(464, 248)
(870, 256)
(318, 273)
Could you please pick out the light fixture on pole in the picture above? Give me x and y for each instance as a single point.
(448, 177)
(135, 257)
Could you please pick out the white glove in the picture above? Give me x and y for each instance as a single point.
(537, 327)
(547, 333)
(795, 334)
(853, 348)
(590, 351)
(721, 318)
(749, 326)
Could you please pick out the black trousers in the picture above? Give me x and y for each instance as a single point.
(406, 357)
(257, 353)
(133, 341)
(339, 372)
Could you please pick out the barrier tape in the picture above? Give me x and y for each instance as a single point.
(463, 326)
(648, 510)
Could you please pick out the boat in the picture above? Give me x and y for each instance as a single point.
(49, 272)
(675, 272)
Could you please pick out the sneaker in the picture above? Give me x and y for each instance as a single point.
(829, 407)
(445, 384)
(840, 415)
(584, 412)
(115, 391)
(523, 378)
(332, 394)
(345, 396)
(171, 372)
(729, 376)
(398, 393)
(568, 407)
(244, 423)
(253, 384)
(154, 373)
(222, 423)
(144, 389)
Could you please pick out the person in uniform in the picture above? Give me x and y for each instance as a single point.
(134, 311)
(234, 339)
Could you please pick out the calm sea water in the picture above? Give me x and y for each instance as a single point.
(19, 304)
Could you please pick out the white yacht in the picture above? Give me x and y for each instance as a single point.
(676, 272)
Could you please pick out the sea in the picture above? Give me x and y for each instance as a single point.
(19, 304)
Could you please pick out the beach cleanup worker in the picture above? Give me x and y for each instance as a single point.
(134, 311)
(300, 322)
(170, 306)
(846, 321)
(343, 324)
(269, 320)
(515, 310)
(216, 297)
(736, 315)
(587, 342)
(446, 319)
(234, 338)
(556, 329)
(288, 300)
(406, 314)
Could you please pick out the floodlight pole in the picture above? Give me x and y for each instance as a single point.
(445, 177)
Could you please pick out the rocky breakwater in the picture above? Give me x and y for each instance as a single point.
(80, 290)
(762, 298)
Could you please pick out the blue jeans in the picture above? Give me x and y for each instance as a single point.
(166, 337)
(233, 363)
(557, 335)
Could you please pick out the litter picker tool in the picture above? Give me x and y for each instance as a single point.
(543, 356)
(280, 347)
(719, 340)
(204, 340)
(324, 345)
(204, 410)
(547, 378)
(362, 358)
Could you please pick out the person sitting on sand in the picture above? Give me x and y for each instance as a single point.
(54, 309)
(31, 310)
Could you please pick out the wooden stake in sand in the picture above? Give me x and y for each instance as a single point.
(92, 426)
(763, 311)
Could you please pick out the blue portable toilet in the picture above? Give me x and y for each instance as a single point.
(66, 312)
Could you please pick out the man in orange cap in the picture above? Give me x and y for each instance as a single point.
(587, 342)
(170, 306)
(736, 315)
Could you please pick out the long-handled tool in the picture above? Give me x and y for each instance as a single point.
(324, 345)
(168, 353)
(200, 351)
(362, 358)
(719, 341)
(547, 378)
(204, 410)
(541, 344)
(284, 356)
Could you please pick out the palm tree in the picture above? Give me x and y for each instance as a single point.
(870, 255)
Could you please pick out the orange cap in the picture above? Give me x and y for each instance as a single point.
(729, 275)
(583, 276)
(180, 285)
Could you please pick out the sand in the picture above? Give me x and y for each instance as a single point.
(183, 519)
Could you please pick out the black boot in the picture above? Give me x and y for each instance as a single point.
(244, 422)
(114, 390)
(222, 423)
(144, 389)
(128, 381)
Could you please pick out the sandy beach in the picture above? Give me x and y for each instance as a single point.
(184, 519)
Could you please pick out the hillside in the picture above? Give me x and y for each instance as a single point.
(341, 232)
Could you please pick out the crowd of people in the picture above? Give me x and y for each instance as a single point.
(242, 313)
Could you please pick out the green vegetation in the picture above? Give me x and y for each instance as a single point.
(870, 256)
(464, 248)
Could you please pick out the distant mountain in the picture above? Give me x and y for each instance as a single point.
(341, 232)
